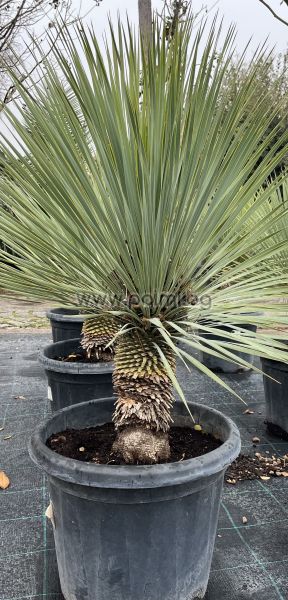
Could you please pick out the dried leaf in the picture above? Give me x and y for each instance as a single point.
(244, 520)
(50, 514)
(231, 481)
(264, 477)
(7, 437)
(256, 440)
(248, 412)
(19, 397)
(197, 427)
(4, 481)
(284, 474)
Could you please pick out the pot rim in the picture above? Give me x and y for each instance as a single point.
(51, 364)
(133, 476)
(53, 315)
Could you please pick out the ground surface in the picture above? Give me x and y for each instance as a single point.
(250, 561)
(20, 314)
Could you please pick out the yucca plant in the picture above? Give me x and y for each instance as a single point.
(132, 206)
(277, 201)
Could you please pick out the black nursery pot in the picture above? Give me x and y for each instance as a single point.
(134, 532)
(220, 364)
(70, 383)
(66, 323)
(276, 396)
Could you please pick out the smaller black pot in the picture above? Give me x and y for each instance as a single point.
(220, 364)
(276, 396)
(66, 323)
(71, 383)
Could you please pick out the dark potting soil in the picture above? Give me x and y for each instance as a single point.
(94, 444)
(257, 467)
(77, 357)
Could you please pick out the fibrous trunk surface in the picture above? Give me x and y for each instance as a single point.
(97, 333)
(144, 398)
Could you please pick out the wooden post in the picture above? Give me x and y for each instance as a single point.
(145, 19)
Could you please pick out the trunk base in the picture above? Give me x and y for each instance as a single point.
(139, 445)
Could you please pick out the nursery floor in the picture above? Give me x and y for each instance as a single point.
(250, 561)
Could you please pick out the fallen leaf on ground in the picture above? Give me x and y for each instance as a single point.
(19, 397)
(50, 514)
(284, 474)
(248, 412)
(7, 437)
(1, 428)
(264, 477)
(256, 440)
(197, 427)
(4, 481)
(244, 520)
(231, 481)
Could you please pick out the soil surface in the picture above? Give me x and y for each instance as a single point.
(83, 358)
(94, 444)
(257, 467)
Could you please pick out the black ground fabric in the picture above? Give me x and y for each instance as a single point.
(251, 558)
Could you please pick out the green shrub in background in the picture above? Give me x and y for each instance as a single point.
(270, 87)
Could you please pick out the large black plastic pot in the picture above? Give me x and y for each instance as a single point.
(66, 323)
(276, 396)
(220, 364)
(134, 532)
(70, 383)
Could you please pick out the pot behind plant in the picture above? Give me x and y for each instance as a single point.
(276, 396)
(134, 532)
(66, 323)
(220, 364)
(73, 382)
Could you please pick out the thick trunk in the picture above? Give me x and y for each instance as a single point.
(139, 445)
(143, 407)
(97, 332)
(145, 19)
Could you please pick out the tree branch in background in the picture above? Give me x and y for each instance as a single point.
(273, 11)
(175, 11)
(17, 20)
